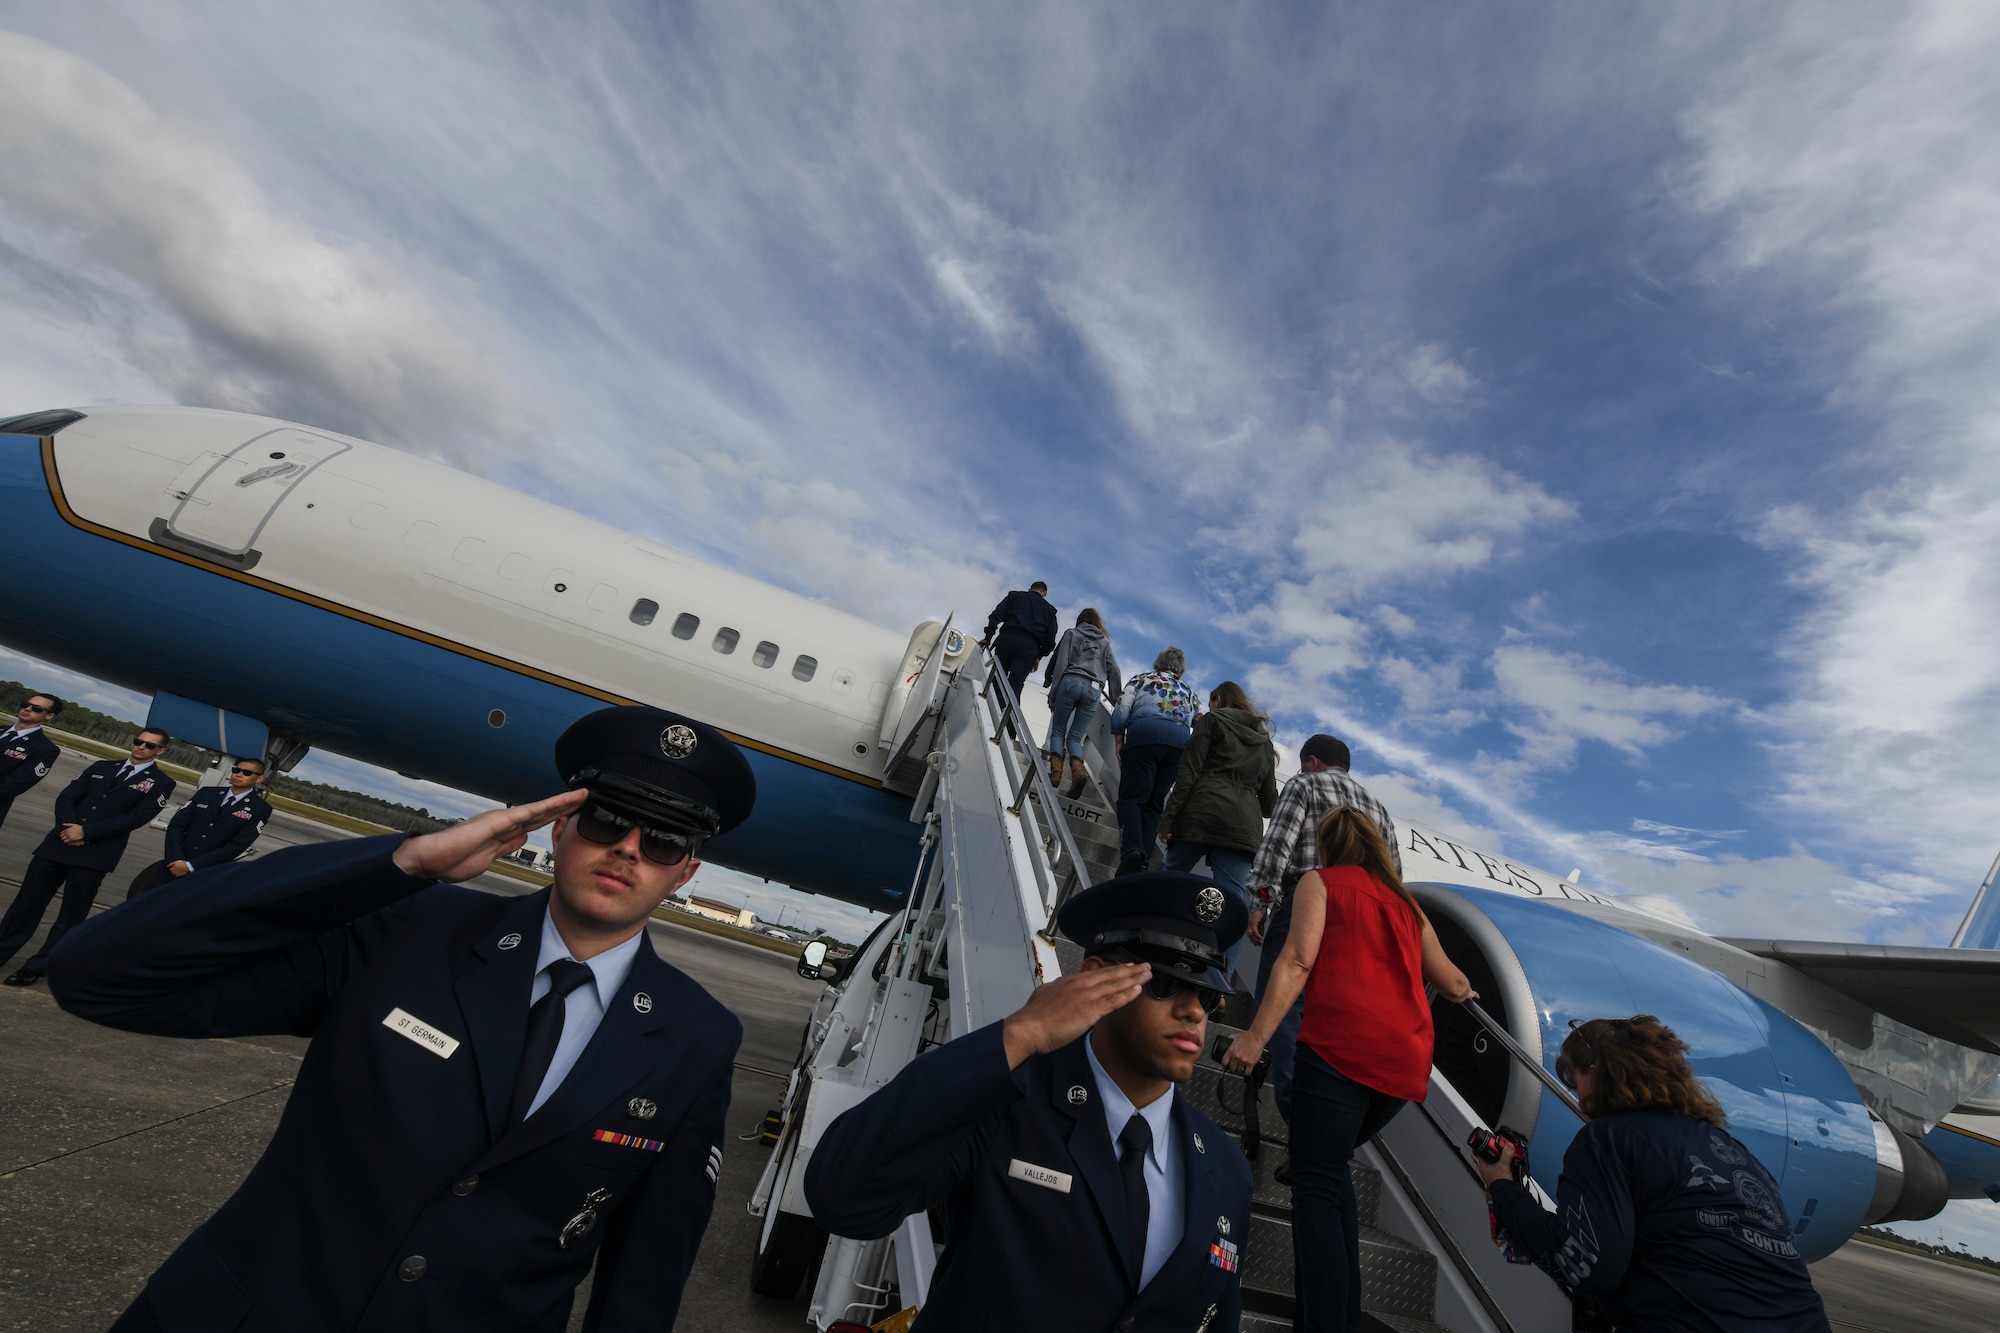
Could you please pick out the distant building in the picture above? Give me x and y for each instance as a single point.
(727, 913)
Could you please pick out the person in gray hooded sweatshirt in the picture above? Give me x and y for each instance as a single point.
(1226, 788)
(1082, 668)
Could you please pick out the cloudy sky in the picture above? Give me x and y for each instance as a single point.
(1589, 411)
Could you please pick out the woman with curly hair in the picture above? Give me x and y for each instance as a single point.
(1661, 1214)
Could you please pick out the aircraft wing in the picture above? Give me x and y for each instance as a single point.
(1949, 993)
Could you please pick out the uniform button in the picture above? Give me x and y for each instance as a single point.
(466, 1186)
(414, 1267)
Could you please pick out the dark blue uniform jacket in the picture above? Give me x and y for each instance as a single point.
(1671, 1224)
(1029, 613)
(1018, 1255)
(392, 1196)
(108, 810)
(24, 761)
(205, 832)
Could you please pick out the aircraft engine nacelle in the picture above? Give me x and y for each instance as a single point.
(1537, 967)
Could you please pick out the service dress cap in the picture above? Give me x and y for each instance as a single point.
(1180, 923)
(659, 767)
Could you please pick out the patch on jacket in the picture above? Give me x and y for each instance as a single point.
(17, 754)
(243, 814)
(627, 1140)
(147, 785)
(1223, 1255)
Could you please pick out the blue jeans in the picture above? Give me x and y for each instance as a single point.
(1072, 703)
(1332, 1116)
(1284, 1042)
(1229, 865)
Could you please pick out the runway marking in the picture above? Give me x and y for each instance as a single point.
(11, 1172)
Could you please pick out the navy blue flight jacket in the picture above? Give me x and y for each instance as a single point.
(1030, 613)
(958, 1130)
(393, 1195)
(108, 810)
(205, 832)
(1671, 1224)
(24, 761)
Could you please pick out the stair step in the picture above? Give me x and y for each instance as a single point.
(1397, 1278)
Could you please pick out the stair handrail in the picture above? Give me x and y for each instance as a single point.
(1520, 1052)
(1013, 722)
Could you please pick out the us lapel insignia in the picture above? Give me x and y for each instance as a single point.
(1077, 1096)
(641, 1108)
(642, 1002)
(510, 939)
(579, 1226)
(1198, 1146)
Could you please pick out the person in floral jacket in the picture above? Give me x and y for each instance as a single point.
(1152, 725)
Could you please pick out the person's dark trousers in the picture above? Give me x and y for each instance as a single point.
(1332, 1115)
(152, 877)
(1284, 1042)
(1145, 778)
(1017, 652)
(39, 884)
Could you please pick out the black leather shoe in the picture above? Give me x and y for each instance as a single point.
(25, 977)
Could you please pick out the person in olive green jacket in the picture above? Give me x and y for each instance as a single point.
(1226, 788)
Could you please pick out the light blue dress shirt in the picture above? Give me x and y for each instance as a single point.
(1164, 1222)
(583, 1008)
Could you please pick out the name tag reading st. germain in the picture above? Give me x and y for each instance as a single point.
(424, 1035)
(1038, 1175)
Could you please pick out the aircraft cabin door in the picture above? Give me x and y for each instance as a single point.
(222, 502)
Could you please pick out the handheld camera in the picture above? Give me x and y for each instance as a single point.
(1486, 1145)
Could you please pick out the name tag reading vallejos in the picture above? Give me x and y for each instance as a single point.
(428, 1037)
(1038, 1175)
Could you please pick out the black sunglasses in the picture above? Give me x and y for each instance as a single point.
(600, 824)
(149, 745)
(1163, 986)
(38, 708)
(248, 772)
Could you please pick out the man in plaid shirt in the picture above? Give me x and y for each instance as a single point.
(1288, 851)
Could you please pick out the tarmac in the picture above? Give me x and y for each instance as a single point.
(114, 1146)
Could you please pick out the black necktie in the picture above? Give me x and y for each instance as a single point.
(1137, 1140)
(545, 1026)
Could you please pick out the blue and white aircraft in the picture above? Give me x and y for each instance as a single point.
(274, 587)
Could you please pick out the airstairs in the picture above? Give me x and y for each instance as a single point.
(1002, 848)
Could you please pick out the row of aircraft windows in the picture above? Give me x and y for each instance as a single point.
(471, 549)
(725, 640)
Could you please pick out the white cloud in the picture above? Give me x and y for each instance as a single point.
(226, 299)
(1568, 698)
(1850, 158)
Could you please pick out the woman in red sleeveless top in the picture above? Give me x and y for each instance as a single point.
(1361, 951)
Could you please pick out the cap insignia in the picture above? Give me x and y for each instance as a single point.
(1077, 1096)
(1208, 904)
(677, 741)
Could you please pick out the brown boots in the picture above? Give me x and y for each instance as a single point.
(1055, 771)
(1078, 775)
